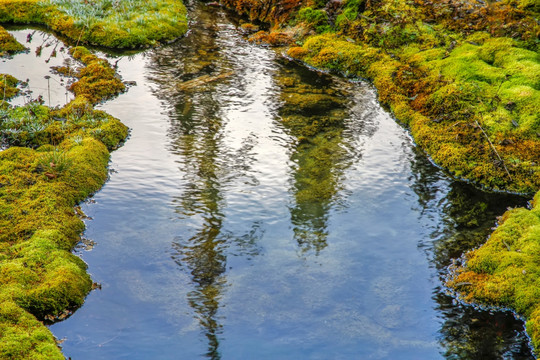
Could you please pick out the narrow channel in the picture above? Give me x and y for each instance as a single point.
(262, 210)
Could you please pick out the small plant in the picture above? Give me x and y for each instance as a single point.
(77, 140)
(54, 163)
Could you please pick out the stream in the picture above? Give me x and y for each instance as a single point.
(263, 210)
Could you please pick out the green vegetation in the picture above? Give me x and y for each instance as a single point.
(474, 109)
(468, 89)
(8, 44)
(505, 270)
(55, 158)
(39, 228)
(315, 18)
(34, 125)
(113, 24)
(8, 87)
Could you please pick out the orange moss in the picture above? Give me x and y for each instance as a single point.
(297, 52)
(274, 38)
(272, 11)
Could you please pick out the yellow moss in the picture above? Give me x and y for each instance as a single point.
(24, 337)
(505, 271)
(8, 87)
(119, 25)
(8, 44)
(39, 277)
(38, 272)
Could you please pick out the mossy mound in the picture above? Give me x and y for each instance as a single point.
(8, 87)
(97, 79)
(22, 336)
(38, 228)
(505, 271)
(8, 44)
(117, 24)
(54, 158)
(34, 124)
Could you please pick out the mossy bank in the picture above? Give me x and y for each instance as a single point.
(53, 158)
(112, 24)
(464, 78)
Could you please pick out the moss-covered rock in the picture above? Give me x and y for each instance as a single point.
(22, 336)
(38, 229)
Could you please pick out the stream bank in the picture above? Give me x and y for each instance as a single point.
(233, 195)
(208, 241)
(463, 76)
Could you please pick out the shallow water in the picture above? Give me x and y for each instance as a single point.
(44, 52)
(225, 233)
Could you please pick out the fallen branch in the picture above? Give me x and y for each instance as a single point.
(493, 147)
(506, 244)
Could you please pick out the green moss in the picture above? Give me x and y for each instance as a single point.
(39, 228)
(471, 100)
(34, 125)
(24, 337)
(8, 44)
(111, 24)
(474, 109)
(8, 87)
(316, 18)
(97, 80)
(505, 271)
(350, 12)
(63, 161)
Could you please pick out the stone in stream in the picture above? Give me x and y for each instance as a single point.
(202, 80)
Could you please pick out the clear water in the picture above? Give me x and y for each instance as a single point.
(224, 234)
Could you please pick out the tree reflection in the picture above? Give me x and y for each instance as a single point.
(314, 113)
(468, 216)
(196, 131)
(191, 76)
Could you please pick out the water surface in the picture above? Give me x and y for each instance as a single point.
(260, 210)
